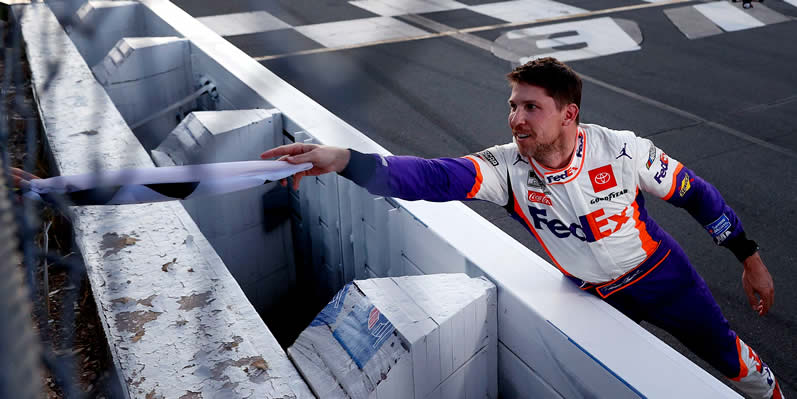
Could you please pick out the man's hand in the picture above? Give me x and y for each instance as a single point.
(325, 159)
(21, 178)
(756, 280)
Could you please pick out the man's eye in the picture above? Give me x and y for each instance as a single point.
(530, 107)
(513, 106)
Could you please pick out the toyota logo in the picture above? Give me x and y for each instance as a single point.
(602, 178)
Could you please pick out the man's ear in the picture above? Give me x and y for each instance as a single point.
(571, 114)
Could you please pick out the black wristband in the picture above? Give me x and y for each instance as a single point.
(741, 246)
(360, 168)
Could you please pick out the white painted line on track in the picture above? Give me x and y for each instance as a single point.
(693, 24)
(525, 10)
(391, 8)
(474, 29)
(243, 23)
(602, 36)
(728, 17)
(359, 31)
(792, 2)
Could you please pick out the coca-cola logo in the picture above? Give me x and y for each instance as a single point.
(539, 198)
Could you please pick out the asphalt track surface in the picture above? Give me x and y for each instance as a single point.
(725, 105)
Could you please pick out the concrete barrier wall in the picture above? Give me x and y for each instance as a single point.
(553, 339)
(177, 322)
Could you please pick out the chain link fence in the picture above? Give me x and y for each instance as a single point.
(52, 341)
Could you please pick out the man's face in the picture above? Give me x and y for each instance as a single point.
(534, 118)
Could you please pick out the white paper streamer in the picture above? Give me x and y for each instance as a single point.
(140, 185)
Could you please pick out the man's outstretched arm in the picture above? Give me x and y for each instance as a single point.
(406, 177)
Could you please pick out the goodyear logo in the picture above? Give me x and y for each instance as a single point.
(609, 197)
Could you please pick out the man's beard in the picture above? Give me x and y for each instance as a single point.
(539, 150)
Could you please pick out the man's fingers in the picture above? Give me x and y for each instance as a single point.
(767, 300)
(296, 179)
(304, 157)
(748, 290)
(21, 174)
(290, 149)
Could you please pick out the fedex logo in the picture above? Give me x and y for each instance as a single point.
(665, 162)
(590, 227)
(569, 172)
(562, 176)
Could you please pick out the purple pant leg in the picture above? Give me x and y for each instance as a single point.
(675, 298)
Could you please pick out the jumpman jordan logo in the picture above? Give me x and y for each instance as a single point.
(623, 152)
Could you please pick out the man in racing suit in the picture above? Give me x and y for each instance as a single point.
(576, 188)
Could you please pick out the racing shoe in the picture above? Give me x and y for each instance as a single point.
(777, 394)
(755, 378)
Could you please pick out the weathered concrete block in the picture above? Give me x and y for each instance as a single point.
(97, 26)
(153, 56)
(435, 332)
(145, 75)
(220, 136)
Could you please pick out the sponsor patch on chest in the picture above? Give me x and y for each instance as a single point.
(610, 196)
(602, 178)
(540, 198)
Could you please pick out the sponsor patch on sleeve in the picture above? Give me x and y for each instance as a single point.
(685, 185)
(487, 156)
(651, 156)
(719, 229)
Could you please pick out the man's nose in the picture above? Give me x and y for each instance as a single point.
(517, 118)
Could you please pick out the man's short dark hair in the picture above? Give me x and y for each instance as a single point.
(558, 79)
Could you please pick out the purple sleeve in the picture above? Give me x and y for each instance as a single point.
(413, 178)
(705, 203)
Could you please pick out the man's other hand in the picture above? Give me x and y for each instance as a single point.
(21, 178)
(325, 159)
(756, 280)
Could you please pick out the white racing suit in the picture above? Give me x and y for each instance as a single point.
(590, 218)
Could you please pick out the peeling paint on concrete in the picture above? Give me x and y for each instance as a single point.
(252, 365)
(134, 322)
(114, 243)
(166, 265)
(233, 344)
(147, 301)
(195, 301)
(91, 132)
(153, 395)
